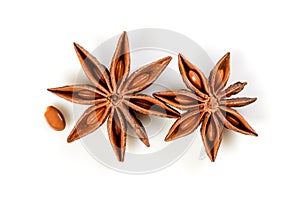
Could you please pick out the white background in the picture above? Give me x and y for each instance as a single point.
(37, 53)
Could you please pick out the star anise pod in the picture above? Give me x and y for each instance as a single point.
(208, 103)
(114, 96)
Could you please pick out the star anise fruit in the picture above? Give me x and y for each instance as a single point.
(114, 96)
(208, 103)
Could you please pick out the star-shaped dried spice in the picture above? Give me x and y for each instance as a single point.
(208, 103)
(114, 96)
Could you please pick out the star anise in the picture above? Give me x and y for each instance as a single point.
(208, 103)
(114, 96)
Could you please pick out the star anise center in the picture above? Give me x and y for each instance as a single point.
(115, 99)
(212, 104)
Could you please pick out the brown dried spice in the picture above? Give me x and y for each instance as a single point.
(207, 104)
(113, 96)
(55, 118)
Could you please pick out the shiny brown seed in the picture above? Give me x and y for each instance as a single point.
(195, 79)
(55, 118)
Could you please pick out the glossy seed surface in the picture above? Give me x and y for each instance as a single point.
(55, 118)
